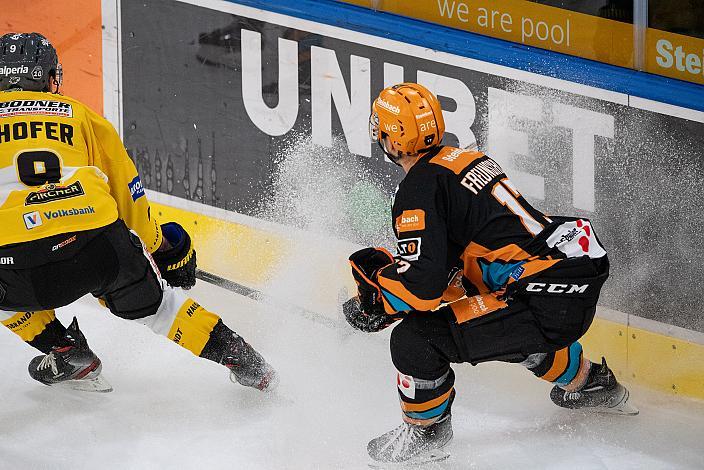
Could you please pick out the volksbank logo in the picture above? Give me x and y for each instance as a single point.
(69, 212)
(388, 106)
(32, 220)
(5, 70)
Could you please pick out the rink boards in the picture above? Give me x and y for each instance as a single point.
(211, 97)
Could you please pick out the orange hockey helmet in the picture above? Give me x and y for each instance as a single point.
(410, 115)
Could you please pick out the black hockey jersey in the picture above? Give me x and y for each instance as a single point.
(456, 210)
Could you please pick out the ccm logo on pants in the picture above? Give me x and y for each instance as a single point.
(557, 288)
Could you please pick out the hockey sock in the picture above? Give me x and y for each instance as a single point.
(192, 326)
(566, 368)
(42, 329)
(218, 344)
(423, 401)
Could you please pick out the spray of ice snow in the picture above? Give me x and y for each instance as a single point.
(334, 207)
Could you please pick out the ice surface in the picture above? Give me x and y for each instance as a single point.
(172, 410)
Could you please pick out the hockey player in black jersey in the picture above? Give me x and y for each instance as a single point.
(480, 275)
(75, 220)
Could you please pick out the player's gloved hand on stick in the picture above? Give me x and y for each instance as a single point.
(366, 320)
(366, 311)
(177, 264)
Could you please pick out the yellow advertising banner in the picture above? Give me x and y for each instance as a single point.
(524, 22)
(675, 55)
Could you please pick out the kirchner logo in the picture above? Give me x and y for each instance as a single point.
(69, 212)
(388, 106)
(53, 192)
(5, 70)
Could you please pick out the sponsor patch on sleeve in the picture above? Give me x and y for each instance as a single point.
(411, 221)
(409, 248)
(136, 188)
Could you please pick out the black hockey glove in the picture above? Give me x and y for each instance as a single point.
(367, 321)
(178, 263)
(366, 312)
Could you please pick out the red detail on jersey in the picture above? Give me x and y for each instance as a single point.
(584, 243)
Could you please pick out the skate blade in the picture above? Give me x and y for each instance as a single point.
(96, 384)
(425, 458)
(621, 408)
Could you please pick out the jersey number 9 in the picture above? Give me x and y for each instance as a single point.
(38, 167)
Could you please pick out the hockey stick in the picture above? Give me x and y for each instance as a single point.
(259, 296)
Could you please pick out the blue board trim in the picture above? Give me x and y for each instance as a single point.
(496, 51)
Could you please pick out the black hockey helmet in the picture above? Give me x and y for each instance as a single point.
(28, 61)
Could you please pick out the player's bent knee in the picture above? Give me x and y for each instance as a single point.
(138, 300)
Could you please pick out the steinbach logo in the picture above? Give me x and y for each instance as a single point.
(5, 70)
(136, 188)
(410, 221)
(452, 156)
(53, 192)
(32, 220)
(69, 212)
(388, 106)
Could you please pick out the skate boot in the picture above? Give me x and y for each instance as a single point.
(247, 366)
(412, 444)
(72, 365)
(602, 393)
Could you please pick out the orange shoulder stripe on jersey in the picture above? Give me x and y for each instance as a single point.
(426, 405)
(455, 159)
(399, 290)
(535, 266)
(509, 252)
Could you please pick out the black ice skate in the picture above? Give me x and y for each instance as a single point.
(72, 365)
(411, 444)
(247, 366)
(602, 393)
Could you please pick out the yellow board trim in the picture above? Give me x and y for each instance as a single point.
(648, 359)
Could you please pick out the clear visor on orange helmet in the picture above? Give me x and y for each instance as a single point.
(374, 126)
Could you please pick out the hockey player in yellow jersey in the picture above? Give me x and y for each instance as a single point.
(75, 220)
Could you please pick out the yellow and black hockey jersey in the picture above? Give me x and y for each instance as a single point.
(63, 169)
(456, 211)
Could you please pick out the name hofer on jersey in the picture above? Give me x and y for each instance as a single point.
(69, 212)
(35, 129)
